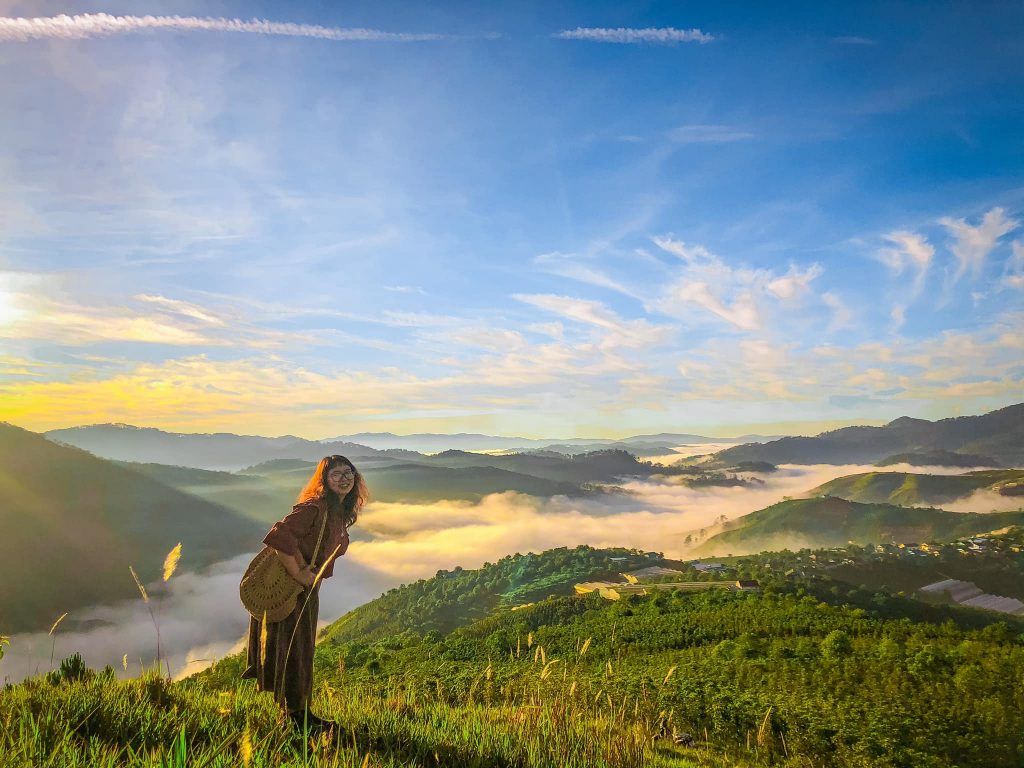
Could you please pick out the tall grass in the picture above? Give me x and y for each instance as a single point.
(101, 721)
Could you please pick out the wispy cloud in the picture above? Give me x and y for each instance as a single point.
(619, 332)
(974, 244)
(662, 35)
(743, 312)
(794, 283)
(182, 308)
(1014, 275)
(910, 249)
(102, 24)
(564, 265)
(853, 40)
(841, 314)
(899, 316)
(708, 134)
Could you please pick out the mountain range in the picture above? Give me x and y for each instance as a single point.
(997, 434)
(230, 452)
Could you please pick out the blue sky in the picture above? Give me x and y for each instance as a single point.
(781, 219)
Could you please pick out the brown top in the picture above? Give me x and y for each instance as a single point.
(299, 530)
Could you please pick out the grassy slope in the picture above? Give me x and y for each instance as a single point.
(831, 521)
(906, 488)
(799, 675)
(845, 684)
(72, 524)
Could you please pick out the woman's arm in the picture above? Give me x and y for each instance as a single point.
(296, 567)
(284, 537)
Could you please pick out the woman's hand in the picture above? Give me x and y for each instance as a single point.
(306, 577)
(297, 569)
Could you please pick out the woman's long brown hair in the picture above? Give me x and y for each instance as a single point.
(316, 489)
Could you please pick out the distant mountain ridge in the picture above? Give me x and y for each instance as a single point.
(217, 451)
(433, 442)
(999, 434)
(225, 451)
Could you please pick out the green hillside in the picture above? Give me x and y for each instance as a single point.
(592, 467)
(938, 458)
(424, 484)
(804, 672)
(831, 521)
(906, 488)
(807, 671)
(72, 524)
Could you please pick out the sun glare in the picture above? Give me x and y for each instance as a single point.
(9, 311)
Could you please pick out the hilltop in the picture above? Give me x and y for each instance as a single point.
(906, 488)
(831, 521)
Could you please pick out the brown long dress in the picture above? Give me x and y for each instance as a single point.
(288, 673)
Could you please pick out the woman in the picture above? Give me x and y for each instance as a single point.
(336, 490)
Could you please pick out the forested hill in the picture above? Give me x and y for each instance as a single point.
(806, 671)
(999, 434)
(72, 523)
(454, 598)
(831, 521)
(909, 488)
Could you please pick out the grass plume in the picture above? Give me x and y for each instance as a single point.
(171, 561)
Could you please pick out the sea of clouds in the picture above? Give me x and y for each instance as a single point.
(201, 618)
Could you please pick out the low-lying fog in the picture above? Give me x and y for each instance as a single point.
(201, 618)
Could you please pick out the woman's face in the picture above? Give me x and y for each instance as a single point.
(340, 479)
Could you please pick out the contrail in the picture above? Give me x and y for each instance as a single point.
(628, 35)
(96, 24)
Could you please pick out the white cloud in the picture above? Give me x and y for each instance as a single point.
(628, 35)
(973, 244)
(743, 312)
(176, 306)
(100, 24)
(899, 316)
(841, 314)
(619, 332)
(794, 283)
(493, 339)
(1013, 277)
(708, 134)
(910, 249)
(563, 265)
(689, 253)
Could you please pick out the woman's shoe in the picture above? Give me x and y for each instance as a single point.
(306, 719)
